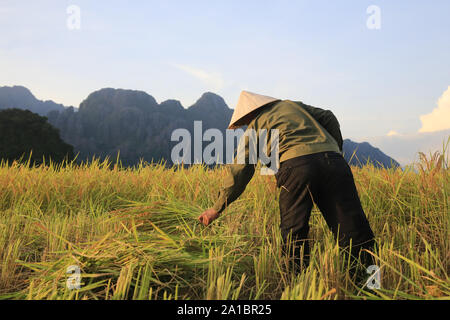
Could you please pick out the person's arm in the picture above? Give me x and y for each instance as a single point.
(328, 120)
(235, 183)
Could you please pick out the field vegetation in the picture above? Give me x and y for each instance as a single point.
(134, 234)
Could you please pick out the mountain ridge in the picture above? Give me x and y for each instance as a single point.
(22, 98)
(132, 121)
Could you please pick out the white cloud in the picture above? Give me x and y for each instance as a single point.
(405, 147)
(439, 118)
(392, 133)
(434, 133)
(213, 80)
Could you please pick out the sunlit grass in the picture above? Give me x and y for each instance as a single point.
(134, 235)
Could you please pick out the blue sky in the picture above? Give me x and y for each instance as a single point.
(321, 52)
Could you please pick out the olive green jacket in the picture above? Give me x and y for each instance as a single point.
(302, 130)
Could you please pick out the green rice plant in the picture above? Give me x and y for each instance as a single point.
(308, 286)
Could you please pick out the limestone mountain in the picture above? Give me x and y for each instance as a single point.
(358, 154)
(21, 98)
(132, 122)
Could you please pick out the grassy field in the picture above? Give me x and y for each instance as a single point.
(134, 235)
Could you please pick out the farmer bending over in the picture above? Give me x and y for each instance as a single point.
(311, 169)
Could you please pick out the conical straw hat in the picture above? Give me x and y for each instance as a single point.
(248, 102)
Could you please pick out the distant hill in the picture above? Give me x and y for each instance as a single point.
(358, 154)
(21, 98)
(27, 135)
(131, 121)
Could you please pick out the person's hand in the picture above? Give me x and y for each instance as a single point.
(208, 216)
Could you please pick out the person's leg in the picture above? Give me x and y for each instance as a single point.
(295, 182)
(340, 205)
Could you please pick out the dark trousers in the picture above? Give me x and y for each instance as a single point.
(326, 179)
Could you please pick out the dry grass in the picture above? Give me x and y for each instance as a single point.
(134, 235)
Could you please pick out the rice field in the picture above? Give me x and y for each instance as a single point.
(133, 233)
